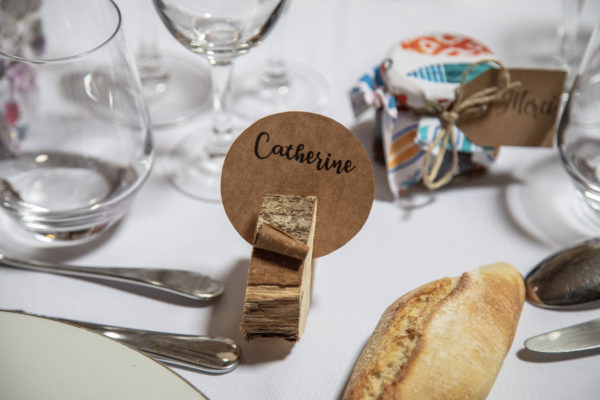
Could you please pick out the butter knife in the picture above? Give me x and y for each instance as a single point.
(580, 337)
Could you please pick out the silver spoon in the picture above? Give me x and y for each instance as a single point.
(215, 355)
(188, 284)
(570, 277)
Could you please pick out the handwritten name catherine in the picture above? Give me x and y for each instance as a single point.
(263, 150)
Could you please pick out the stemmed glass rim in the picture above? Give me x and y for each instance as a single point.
(110, 37)
(565, 114)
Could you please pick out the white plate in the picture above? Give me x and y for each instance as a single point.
(45, 359)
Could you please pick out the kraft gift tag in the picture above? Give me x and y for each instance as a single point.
(300, 153)
(525, 115)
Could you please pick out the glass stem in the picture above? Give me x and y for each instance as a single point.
(569, 30)
(276, 74)
(149, 61)
(222, 129)
(153, 74)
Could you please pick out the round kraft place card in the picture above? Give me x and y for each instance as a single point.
(300, 153)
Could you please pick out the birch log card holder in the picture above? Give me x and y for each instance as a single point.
(296, 186)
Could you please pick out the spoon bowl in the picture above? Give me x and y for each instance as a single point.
(568, 278)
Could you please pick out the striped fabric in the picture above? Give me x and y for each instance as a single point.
(404, 150)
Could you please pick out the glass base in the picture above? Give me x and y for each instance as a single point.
(67, 198)
(544, 204)
(29, 228)
(193, 169)
(178, 94)
(306, 90)
(587, 210)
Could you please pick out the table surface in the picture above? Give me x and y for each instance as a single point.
(520, 212)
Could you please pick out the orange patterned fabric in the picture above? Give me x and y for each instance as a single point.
(447, 44)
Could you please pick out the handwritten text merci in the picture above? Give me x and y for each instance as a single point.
(524, 103)
(263, 150)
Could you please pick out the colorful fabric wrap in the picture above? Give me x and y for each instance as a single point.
(421, 73)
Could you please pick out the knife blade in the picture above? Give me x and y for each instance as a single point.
(580, 337)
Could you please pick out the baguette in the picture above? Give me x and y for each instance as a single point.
(444, 340)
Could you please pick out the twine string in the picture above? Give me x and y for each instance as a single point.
(448, 119)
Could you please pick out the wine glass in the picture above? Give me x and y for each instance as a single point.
(280, 84)
(578, 137)
(220, 30)
(69, 170)
(175, 89)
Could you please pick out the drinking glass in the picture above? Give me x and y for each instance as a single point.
(578, 137)
(75, 142)
(220, 30)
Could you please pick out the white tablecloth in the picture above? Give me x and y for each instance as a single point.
(520, 212)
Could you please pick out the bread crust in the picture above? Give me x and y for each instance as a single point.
(444, 340)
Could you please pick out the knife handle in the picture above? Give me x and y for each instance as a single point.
(215, 355)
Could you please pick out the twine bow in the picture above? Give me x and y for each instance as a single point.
(448, 119)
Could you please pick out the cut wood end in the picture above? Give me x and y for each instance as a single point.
(272, 239)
